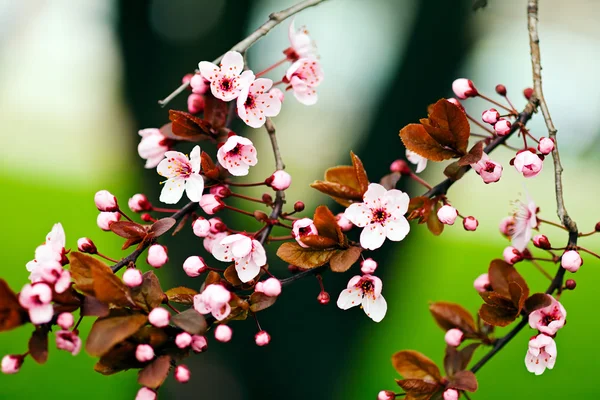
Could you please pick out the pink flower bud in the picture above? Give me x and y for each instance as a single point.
(157, 255)
(542, 242)
(280, 180)
(85, 245)
(220, 191)
(502, 127)
(501, 89)
(198, 84)
(195, 103)
(216, 225)
(271, 287)
(343, 222)
(106, 219)
(506, 225)
(159, 317)
(183, 340)
(105, 201)
(68, 341)
(571, 260)
(303, 227)
(65, 320)
(490, 116)
(132, 277)
(456, 103)
(187, 78)
(144, 352)
(138, 203)
(470, 223)
(182, 374)
(201, 227)
(450, 394)
(454, 337)
(400, 166)
(210, 204)
(194, 266)
(447, 214)
(368, 266)
(277, 93)
(262, 338)
(570, 284)
(145, 394)
(512, 255)
(223, 333)
(528, 163)
(11, 364)
(482, 283)
(464, 88)
(527, 93)
(386, 395)
(199, 343)
(546, 145)
(323, 298)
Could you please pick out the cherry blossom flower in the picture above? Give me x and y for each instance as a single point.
(271, 287)
(36, 299)
(464, 88)
(255, 103)
(248, 254)
(53, 275)
(302, 46)
(227, 80)
(368, 266)
(502, 127)
(541, 354)
(528, 163)
(213, 238)
(280, 180)
(364, 291)
(490, 171)
(470, 223)
(490, 116)
(550, 319)
(304, 76)
(153, 146)
(381, 215)
(214, 300)
(507, 225)
(302, 228)
(571, 260)
(262, 338)
(182, 173)
(546, 145)
(68, 341)
(414, 158)
(223, 333)
(237, 155)
(278, 93)
(525, 221)
(139, 202)
(11, 364)
(49, 254)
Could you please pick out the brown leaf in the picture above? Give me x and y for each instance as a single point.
(327, 225)
(434, 224)
(537, 301)
(345, 184)
(342, 260)
(457, 360)
(81, 273)
(342, 194)
(186, 126)
(190, 321)
(38, 345)
(464, 380)
(154, 374)
(360, 173)
(417, 139)
(107, 287)
(212, 277)
(418, 386)
(498, 316)
(449, 117)
(414, 365)
(149, 294)
(119, 358)
(11, 312)
(215, 112)
(209, 168)
(319, 242)
(231, 276)
(501, 274)
(419, 207)
(293, 253)
(107, 332)
(344, 175)
(129, 230)
(473, 156)
(151, 335)
(390, 181)
(161, 227)
(450, 316)
(260, 301)
(182, 295)
(93, 307)
(454, 171)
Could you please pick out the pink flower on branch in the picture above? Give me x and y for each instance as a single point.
(525, 221)
(68, 341)
(304, 76)
(550, 319)
(302, 46)
(528, 163)
(237, 155)
(153, 146)
(248, 255)
(227, 80)
(364, 291)
(302, 228)
(36, 299)
(255, 103)
(51, 254)
(490, 171)
(183, 174)
(214, 300)
(541, 354)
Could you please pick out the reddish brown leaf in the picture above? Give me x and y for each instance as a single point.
(458, 360)
(327, 226)
(149, 294)
(93, 307)
(449, 316)
(501, 274)
(231, 276)
(434, 224)
(342, 194)
(464, 380)
(107, 332)
(190, 321)
(212, 277)
(414, 365)
(11, 312)
(293, 253)
(81, 273)
(154, 374)
(498, 316)
(417, 139)
(454, 171)
(129, 230)
(215, 112)
(419, 207)
(449, 117)
(260, 301)
(360, 173)
(342, 260)
(119, 358)
(161, 227)
(418, 386)
(151, 335)
(319, 242)
(473, 156)
(537, 301)
(182, 295)
(389, 181)
(208, 166)
(38, 345)
(107, 287)
(344, 175)
(186, 126)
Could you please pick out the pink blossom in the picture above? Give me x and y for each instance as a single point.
(450, 394)
(51, 254)
(212, 239)
(11, 364)
(541, 354)
(271, 287)
(381, 215)
(139, 202)
(364, 291)
(470, 223)
(368, 266)
(85, 245)
(157, 255)
(482, 283)
(183, 174)
(214, 299)
(414, 158)
(220, 191)
(159, 317)
(262, 338)
(65, 320)
(507, 225)
(343, 222)
(217, 225)
(571, 260)
(248, 254)
(237, 155)
(490, 171)
(199, 343)
(280, 180)
(132, 277)
(194, 266)
(211, 204)
(386, 395)
(106, 219)
(550, 319)
(302, 46)
(183, 340)
(195, 103)
(511, 255)
(447, 214)
(502, 127)
(464, 88)
(302, 228)
(201, 227)
(546, 145)
(525, 220)
(145, 394)
(153, 146)
(106, 201)
(277, 93)
(400, 166)
(304, 76)
(182, 374)
(255, 103)
(198, 84)
(454, 337)
(223, 333)
(36, 299)
(68, 341)
(490, 116)
(542, 242)
(528, 163)
(228, 79)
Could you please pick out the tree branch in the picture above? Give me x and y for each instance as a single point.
(274, 19)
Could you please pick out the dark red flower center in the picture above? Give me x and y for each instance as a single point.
(380, 215)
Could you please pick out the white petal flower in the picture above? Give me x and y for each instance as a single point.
(183, 174)
(248, 255)
(364, 291)
(414, 158)
(229, 79)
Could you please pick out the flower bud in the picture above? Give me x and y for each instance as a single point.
(159, 317)
(198, 84)
(147, 217)
(450, 394)
(597, 227)
(506, 225)
(501, 89)
(277, 93)
(299, 206)
(223, 333)
(85, 245)
(271, 287)
(183, 340)
(502, 127)
(201, 227)
(157, 255)
(447, 214)
(210, 204)
(280, 180)
(482, 283)
(400, 166)
(528, 163)
(144, 353)
(343, 222)
(541, 242)
(106, 219)
(138, 203)
(199, 343)
(571, 260)
(454, 337)
(570, 284)
(528, 92)
(512, 255)
(470, 223)
(132, 277)
(262, 338)
(105, 201)
(145, 394)
(216, 225)
(187, 78)
(11, 364)
(490, 116)
(194, 266)
(195, 103)
(368, 266)
(546, 145)
(386, 395)
(464, 88)
(267, 198)
(323, 298)
(182, 374)
(65, 320)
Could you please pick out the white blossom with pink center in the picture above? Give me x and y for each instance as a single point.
(303, 227)
(228, 79)
(255, 103)
(248, 254)
(36, 299)
(541, 354)
(304, 75)
(490, 171)
(212, 239)
(214, 300)
(302, 45)
(381, 215)
(549, 319)
(50, 256)
(237, 155)
(183, 174)
(153, 146)
(364, 291)
(525, 221)
(414, 158)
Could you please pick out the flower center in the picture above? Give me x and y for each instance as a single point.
(489, 167)
(250, 103)
(226, 84)
(182, 168)
(549, 318)
(236, 151)
(380, 215)
(367, 287)
(304, 231)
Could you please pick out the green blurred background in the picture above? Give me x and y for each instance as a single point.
(78, 79)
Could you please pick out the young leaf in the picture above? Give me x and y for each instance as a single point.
(458, 360)
(149, 294)
(109, 288)
(449, 316)
(119, 358)
(342, 194)
(215, 112)
(418, 387)
(211, 278)
(419, 207)
(449, 117)
(342, 260)
(190, 321)
(418, 140)
(260, 301)
(473, 156)
(454, 171)
(38, 345)
(182, 295)
(414, 365)
(434, 224)
(186, 126)
(154, 374)
(464, 380)
(360, 173)
(498, 310)
(128, 230)
(93, 307)
(501, 274)
(293, 253)
(208, 166)
(109, 331)
(537, 301)
(327, 226)
(345, 184)
(81, 273)
(161, 227)
(11, 312)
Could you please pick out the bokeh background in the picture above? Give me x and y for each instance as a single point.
(79, 78)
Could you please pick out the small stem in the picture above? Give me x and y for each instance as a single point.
(272, 67)
(125, 215)
(244, 184)
(172, 308)
(279, 223)
(165, 210)
(552, 223)
(241, 196)
(78, 322)
(106, 257)
(420, 180)
(496, 103)
(588, 251)
(510, 104)
(587, 234)
(482, 126)
(268, 272)
(279, 238)
(238, 210)
(542, 270)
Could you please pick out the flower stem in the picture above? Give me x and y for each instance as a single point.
(272, 67)
(496, 103)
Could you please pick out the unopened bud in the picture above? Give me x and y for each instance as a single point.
(223, 333)
(299, 206)
(280, 180)
(541, 242)
(261, 216)
(400, 166)
(570, 284)
(267, 198)
(132, 277)
(386, 395)
(182, 374)
(512, 255)
(147, 217)
(138, 203)
(106, 201)
(323, 297)
(85, 245)
(501, 90)
(470, 223)
(528, 92)
(262, 338)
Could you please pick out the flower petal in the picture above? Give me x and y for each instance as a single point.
(349, 298)
(397, 230)
(246, 268)
(242, 247)
(232, 63)
(41, 314)
(194, 186)
(208, 70)
(172, 191)
(359, 214)
(195, 159)
(373, 194)
(375, 308)
(372, 236)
